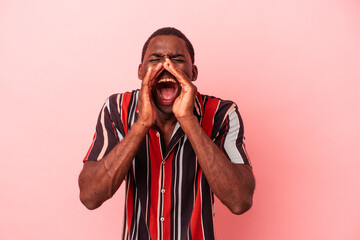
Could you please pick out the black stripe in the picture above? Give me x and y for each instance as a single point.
(220, 139)
(115, 114)
(141, 179)
(207, 209)
(134, 225)
(187, 189)
(219, 117)
(131, 109)
(109, 127)
(240, 139)
(99, 140)
(125, 207)
(143, 228)
(133, 219)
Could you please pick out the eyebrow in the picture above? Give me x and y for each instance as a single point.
(156, 55)
(172, 56)
(177, 55)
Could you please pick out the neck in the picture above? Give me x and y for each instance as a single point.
(165, 119)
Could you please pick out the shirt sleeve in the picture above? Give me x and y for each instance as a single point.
(230, 138)
(106, 134)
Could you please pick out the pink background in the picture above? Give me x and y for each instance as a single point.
(292, 66)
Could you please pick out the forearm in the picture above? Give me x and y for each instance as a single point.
(99, 180)
(233, 184)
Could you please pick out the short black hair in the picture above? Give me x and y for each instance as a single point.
(170, 31)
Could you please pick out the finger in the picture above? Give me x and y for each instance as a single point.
(156, 72)
(145, 82)
(180, 76)
(151, 73)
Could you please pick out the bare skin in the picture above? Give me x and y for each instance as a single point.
(167, 57)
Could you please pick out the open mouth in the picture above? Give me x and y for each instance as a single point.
(167, 90)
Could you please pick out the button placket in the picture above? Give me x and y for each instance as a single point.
(162, 189)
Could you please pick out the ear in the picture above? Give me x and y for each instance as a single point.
(194, 72)
(140, 71)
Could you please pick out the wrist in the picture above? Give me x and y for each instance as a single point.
(187, 120)
(142, 126)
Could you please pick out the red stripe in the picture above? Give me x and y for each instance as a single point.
(195, 221)
(125, 109)
(167, 197)
(209, 112)
(198, 95)
(88, 152)
(207, 125)
(130, 203)
(155, 159)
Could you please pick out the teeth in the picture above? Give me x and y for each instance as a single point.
(166, 80)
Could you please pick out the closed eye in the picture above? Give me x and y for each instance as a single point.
(178, 60)
(154, 60)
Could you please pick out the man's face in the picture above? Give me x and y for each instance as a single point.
(166, 88)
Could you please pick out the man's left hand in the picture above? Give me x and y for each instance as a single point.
(183, 106)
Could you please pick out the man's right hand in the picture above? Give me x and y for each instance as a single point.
(147, 109)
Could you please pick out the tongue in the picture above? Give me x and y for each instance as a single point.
(167, 93)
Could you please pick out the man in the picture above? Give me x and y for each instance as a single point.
(174, 146)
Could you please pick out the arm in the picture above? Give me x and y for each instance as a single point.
(232, 183)
(99, 180)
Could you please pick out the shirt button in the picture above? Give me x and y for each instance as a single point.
(158, 134)
(162, 219)
(163, 162)
(162, 190)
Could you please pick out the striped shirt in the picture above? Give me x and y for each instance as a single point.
(167, 194)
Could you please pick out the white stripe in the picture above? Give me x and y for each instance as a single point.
(118, 102)
(133, 166)
(133, 108)
(120, 136)
(231, 136)
(175, 129)
(138, 221)
(180, 186)
(108, 105)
